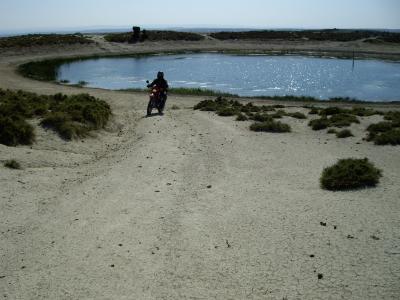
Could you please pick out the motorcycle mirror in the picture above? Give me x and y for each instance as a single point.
(147, 81)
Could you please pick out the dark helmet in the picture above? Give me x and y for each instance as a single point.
(160, 75)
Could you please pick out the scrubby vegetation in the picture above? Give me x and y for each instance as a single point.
(349, 174)
(14, 130)
(386, 132)
(12, 164)
(316, 35)
(42, 70)
(344, 134)
(297, 115)
(332, 131)
(319, 124)
(70, 116)
(154, 35)
(241, 117)
(43, 40)
(270, 126)
(336, 117)
(262, 115)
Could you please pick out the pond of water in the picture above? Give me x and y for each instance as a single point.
(250, 75)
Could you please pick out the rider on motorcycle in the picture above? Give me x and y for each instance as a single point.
(163, 84)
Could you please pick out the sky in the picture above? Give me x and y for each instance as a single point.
(57, 14)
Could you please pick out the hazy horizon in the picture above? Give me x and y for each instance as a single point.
(30, 15)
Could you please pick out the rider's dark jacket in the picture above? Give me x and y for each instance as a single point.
(160, 82)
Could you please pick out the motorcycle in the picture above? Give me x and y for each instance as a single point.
(156, 99)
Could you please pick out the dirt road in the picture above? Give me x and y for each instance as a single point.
(192, 206)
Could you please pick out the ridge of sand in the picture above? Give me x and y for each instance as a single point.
(129, 214)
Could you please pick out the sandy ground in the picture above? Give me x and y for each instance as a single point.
(190, 206)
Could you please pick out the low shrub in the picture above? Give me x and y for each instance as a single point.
(206, 105)
(344, 134)
(241, 117)
(270, 126)
(391, 137)
(336, 120)
(82, 83)
(314, 111)
(12, 164)
(14, 130)
(297, 115)
(332, 131)
(364, 112)
(226, 112)
(377, 128)
(63, 125)
(332, 110)
(279, 114)
(266, 108)
(319, 124)
(384, 133)
(342, 120)
(154, 35)
(393, 116)
(31, 40)
(261, 117)
(349, 174)
(68, 115)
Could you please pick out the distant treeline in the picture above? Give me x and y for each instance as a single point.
(315, 35)
(43, 40)
(154, 35)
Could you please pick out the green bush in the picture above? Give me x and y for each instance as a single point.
(376, 129)
(319, 124)
(344, 134)
(12, 164)
(64, 126)
(68, 115)
(43, 40)
(364, 112)
(314, 111)
(384, 133)
(266, 108)
(279, 114)
(336, 120)
(332, 110)
(241, 117)
(154, 35)
(270, 126)
(226, 112)
(393, 116)
(14, 130)
(332, 131)
(391, 137)
(297, 115)
(349, 174)
(261, 117)
(315, 35)
(342, 120)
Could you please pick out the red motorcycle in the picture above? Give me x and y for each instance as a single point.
(156, 99)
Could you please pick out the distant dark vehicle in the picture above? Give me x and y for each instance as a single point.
(135, 35)
(156, 99)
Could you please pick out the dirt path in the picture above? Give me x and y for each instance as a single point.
(192, 206)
